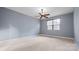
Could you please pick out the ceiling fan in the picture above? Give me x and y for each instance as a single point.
(43, 14)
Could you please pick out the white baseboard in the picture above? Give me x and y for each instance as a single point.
(56, 36)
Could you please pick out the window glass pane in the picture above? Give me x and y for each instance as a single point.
(49, 22)
(56, 27)
(49, 27)
(56, 24)
(56, 21)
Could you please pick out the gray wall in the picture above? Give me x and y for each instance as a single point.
(14, 24)
(66, 26)
(76, 25)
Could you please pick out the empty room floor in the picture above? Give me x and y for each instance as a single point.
(39, 43)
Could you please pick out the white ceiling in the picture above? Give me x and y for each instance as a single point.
(33, 11)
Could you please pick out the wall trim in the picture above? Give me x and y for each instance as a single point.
(55, 36)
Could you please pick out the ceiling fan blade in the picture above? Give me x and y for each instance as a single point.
(41, 17)
(45, 16)
(39, 13)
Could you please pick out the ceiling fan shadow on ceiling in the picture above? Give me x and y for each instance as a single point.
(43, 14)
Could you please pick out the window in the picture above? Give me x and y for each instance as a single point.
(56, 24)
(49, 25)
(53, 24)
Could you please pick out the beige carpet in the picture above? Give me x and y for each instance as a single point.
(38, 43)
